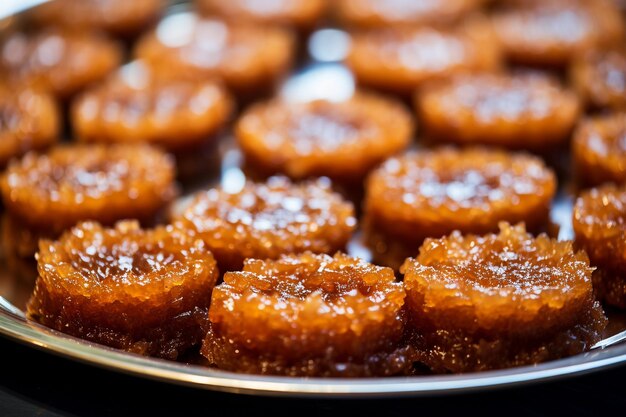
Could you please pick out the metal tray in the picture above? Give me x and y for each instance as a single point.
(332, 80)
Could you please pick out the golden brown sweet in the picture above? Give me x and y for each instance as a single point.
(136, 106)
(54, 191)
(525, 111)
(403, 59)
(384, 13)
(431, 193)
(144, 291)
(29, 120)
(269, 219)
(308, 315)
(600, 78)
(60, 61)
(118, 17)
(599, 221)
(342, 140)
(553, 32)
(247, 58)
(302, 15)
(599, 149)
(500, 300)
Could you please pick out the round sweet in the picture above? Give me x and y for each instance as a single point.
(135, 106)
(302, 15)
(308, 315)
(60, 61)
(403, 59)
(599, 221)
(431, 193)
(245, 57)
(599, 149)
(525, 111)
(600, 78)
(269, 219)
(118, 17)
(29, 119)
(56, 190)
(144, 291)
(368, 14)
(342, 140)
(500, 300)
(553, 32)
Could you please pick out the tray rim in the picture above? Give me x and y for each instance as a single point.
(15, 326)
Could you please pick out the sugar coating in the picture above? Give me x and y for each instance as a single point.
(599, 149)
(308, 315)
(301, 15)
(55, 190)
(29, 119)
(145, 291)
(600, 78)
(342, 140)
(383, 13)
(554, 32)
(60, 61)
(431, 193)
(599, 221)
(266, 220)
(403, 59)
(509, 295)
(243, 56)
(521, 111)
(136, 106)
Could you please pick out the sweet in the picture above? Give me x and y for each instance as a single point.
(599, 221)
(144, 291)
(342, 140)
(600, 78)
(553, 32)
(308, 315)
(136, 106)
(267, 220)
(500, 300)
(431, 193)
(302, 15)
(524, 111)
(599, 149)
(60, 61)
(118, 17)
(384, 13)
(248, 59)
(29, 120)
(403, 59)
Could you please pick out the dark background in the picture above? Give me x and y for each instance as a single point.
(37, 383)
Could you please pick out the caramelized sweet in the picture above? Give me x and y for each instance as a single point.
(269, 219)
(29, 119)
(402, 59)
(118, 17)
(60, 61)
(135, 106)
(308, 315)
(431, 193)
(525, 111)
(383, 13)
(342, 140)
(247, 58)
(599, 149)
(144, 291)
(553, 32)
(54, 191)
(599, 221)
(500, 300)
(301, 15)
(600, 78)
